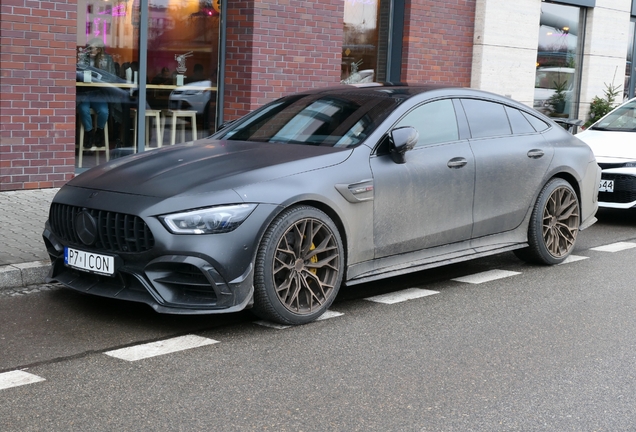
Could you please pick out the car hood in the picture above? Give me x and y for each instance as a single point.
(609, 144)
(206, 166)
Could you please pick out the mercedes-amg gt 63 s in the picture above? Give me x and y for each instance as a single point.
(320, 189)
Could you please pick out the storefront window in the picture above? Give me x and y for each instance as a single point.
(558, 60)
(107, 79)
(181, 41)
(630, 67)
(366, 36)
(183, 47)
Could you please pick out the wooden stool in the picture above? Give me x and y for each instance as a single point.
(97, 150)
(150, 113)
(181, 113)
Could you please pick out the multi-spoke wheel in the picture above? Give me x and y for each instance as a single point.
(554, 224)
(299, 267)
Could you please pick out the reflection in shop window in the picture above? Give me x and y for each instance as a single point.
(558, 60)
(365, 42)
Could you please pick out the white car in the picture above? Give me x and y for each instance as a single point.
(546, 81)
(613, 141)
(192, 96)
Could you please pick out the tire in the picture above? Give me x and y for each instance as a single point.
(299, 266)
(554, 225)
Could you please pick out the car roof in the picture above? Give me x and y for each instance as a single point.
(402, 90)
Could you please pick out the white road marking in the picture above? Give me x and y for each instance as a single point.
(167, 346)
(401, 296)
(486, 276)
(615, 247)
(271, 325)
(328, 314)
(17, 378)
(573, 258)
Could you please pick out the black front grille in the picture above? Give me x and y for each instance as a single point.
(624, 189)
(117, 232)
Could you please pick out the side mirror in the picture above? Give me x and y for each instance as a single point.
(403, 139)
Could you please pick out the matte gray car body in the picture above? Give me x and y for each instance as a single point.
(448, 202)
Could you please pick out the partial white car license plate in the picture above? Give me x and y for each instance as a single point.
(606, 186)
(89, 261)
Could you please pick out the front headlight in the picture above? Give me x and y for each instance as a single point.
(630, 165)
(213, 220)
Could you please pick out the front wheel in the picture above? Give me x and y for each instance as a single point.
(298, 268)
(554, 224)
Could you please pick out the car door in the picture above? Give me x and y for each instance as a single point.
(511, 160)
(426, 201)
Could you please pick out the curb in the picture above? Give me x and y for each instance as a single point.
(24, 274)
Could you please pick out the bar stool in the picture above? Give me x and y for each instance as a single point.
(97, 150)
(174, 114)
(150, 113)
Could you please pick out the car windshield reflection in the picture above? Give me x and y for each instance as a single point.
(313, 120)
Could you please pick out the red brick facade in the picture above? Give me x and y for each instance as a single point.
(37, 102)
(438, 41)
(279, 47)
(273, 48)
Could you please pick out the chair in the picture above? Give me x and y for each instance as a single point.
(150, 113)
(97, 150)
(174, 114)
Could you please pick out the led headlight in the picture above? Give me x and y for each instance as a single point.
(213, 220)
(630, 165)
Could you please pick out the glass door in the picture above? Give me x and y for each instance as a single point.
(107, 79)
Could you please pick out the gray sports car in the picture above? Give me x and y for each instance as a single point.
(321, 189)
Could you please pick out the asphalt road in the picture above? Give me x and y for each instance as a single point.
(543, 349)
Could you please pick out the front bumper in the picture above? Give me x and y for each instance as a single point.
(173, 284)
(176, 274)
(624, 193)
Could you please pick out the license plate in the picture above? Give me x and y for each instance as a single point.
(89, 261)
(606, 186)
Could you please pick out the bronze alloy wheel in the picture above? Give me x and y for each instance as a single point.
(561, 221)
(553, 225)
(298, 267)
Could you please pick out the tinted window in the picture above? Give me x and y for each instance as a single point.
(520, 125)
(538, 124)
(435, 121)
(486, 119)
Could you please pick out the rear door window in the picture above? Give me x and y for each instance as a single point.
(486, 119)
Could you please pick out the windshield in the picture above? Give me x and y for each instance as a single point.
(315, 119)
(621, 119)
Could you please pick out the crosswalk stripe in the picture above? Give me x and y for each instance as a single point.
(486, 276)
(17, 378)
(328, 314)
(401, 296)
(167, 346)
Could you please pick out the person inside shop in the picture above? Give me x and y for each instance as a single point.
(197, 75)
(163, 78)
(87, 97)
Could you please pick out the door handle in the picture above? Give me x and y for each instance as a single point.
(457, 162)
(535, 153)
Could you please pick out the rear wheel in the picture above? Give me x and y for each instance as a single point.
(554, 224)
(298, 268)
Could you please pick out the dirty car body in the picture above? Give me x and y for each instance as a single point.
(323, 188)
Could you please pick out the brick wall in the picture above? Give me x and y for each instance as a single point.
(278, 47)
(37, 101)
(438, 41)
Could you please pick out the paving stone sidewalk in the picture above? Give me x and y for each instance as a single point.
(23, 257)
